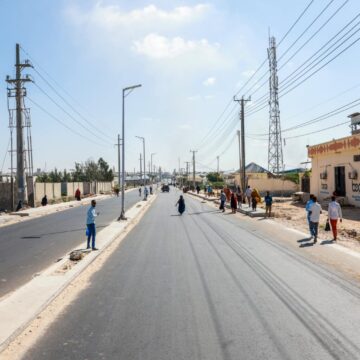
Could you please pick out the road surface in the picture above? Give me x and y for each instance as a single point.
(206, 286)
(30, 246)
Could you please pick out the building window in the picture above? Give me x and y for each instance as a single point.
(356, 157)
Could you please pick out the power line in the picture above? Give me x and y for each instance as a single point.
(67, 113)
(62, 89)
(307, 28)
(256, 71)
(314, 34)
(63, 124)
(315, 132)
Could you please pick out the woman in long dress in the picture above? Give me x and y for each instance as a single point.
(181, 205)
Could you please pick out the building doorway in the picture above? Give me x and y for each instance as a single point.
(340, 180)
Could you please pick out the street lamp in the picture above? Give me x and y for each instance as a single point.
(143, 140)
(125, 92)
(151, 166)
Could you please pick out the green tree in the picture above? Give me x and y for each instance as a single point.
(214, 177)
(78, 175)
(105, 173)
(55, 176)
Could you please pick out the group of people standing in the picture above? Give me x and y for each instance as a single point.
(237, 198)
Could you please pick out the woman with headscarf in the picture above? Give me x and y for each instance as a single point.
(181, 205)
(233, 203)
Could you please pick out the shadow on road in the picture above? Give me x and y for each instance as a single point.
(59, 232)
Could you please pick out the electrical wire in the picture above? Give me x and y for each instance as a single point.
(69, 115)
(315, 132)
(62, 123)
(62, 89)
(253, 75)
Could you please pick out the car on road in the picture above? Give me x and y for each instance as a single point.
(165, 188)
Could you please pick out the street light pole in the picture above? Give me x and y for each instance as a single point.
(143, 140)
(151, 163)
(126, 91)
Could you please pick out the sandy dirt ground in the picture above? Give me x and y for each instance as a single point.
(293, 215)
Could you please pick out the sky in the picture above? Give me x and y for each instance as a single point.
(191, 58)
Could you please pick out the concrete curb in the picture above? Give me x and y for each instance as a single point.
(31, 299)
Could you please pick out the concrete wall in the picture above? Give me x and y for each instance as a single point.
(52, 190)
(103, 187)
(274, 185)
(72, 186)
(5, 195)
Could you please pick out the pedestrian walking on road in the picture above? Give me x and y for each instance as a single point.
(181, 205)
(198, 189)
(233, 203)
(308, 205)
(254, 199)
(140, 191)
(44, 200)
(248, 192)
(268, 204)
(239, 197)
(334, 213)
(78, 194)
(146, 193)
(90, 223)
(315, 211)
(222, 201)
(151, 190)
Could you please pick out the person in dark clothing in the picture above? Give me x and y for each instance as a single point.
(44, 201)
(181, 205)
(233, 203)
(19, 206)
(268, 204)
(198, 189)
(222, 201)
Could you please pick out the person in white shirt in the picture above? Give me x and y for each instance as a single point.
(334, 213)
(315, 210)
(248, 192)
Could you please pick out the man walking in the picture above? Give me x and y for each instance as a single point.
(90, 223)
(315, 211)
(248, 192)
(268, 204)
(334, 213)
(308, 205)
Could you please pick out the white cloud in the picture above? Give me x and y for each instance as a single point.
(209, 81)
(113, 17)
(161, 47)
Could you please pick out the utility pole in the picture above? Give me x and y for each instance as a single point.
(151, 162)
(187, 171)
(238, 133)
(194, 151)
(119, 169)
(242, 130)
(217, 158)
(20, 92)
(275, 153)
(140, 167)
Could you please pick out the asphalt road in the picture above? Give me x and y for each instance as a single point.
(206, 286)
(28, 247)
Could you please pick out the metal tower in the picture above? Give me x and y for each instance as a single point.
(275, 153)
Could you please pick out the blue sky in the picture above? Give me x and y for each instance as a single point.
(190, 57)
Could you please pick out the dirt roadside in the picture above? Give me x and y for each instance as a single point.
(293, 215)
